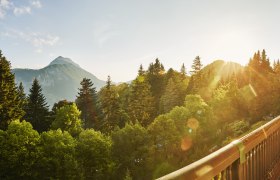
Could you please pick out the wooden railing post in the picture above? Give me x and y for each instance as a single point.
(235, 170)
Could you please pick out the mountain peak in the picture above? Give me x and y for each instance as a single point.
(63, 60)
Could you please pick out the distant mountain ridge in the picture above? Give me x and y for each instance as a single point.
(59, 80)
(63, 60)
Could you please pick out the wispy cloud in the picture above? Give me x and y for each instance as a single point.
(42, 39)
(5, 5)
(22, 10)
(25, 7)
(37, 40)
(36, 4)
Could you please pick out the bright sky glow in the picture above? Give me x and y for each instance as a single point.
(115, 37)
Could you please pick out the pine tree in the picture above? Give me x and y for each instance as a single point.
(37, 112)
(108, 82)
(276, 67)
(141, 103)
(183, 70)
(141, 71)
(10, 104)
(170, 97)
(174, 94)
(87, 104)
(155, 77)
(156, 68)
(22, 96)
(197, 65)
(265, 63)
(110, 105)
(255, 62)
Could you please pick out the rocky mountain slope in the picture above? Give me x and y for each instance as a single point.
(59, 80)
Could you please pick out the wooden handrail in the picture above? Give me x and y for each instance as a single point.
(254, 156)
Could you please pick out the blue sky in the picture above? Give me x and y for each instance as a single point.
(110, 37)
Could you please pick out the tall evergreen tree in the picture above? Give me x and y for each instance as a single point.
(255, 62)
(170, 97)
(183, 70)
(141, 71)
(37, 112)
(22, 96)
(155, 77)
(265, 63)
(174, 94)
(141, 104)
(110, 105)
(10, 103)
(197, 65)
(195, 80)
(276, 67)
(108, 82)
(87, 103)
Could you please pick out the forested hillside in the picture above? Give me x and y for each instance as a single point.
(161, 121)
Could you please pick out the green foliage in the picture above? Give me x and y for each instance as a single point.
(141, 102)
(224, 102)
(19, 151)
(183, 70)
(60, 104)
(123, 90)
(198, 107)
(130, 151)
(197, 65)
(260, 62)
(175, 89)
(276, 67)
(155, 77)
(163, 169)
(94, 155)
(113, 114)
(67, 118)
(22, 96)
(57, 161)
(218, 103)
(127, 175)
(180, 116)
(265, 85)
(37, 112)
(87, 104)
(166, 139)
(10, 102)
(237, 128)
(141, 71)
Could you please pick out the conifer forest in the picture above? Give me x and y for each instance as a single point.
(159, 122)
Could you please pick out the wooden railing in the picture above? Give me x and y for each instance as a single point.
(254, 156)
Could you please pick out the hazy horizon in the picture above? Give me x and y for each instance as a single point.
(114, 38)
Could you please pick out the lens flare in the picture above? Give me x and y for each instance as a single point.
(203, 170)
(193, 123)
(253, 90)
(186, 143)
